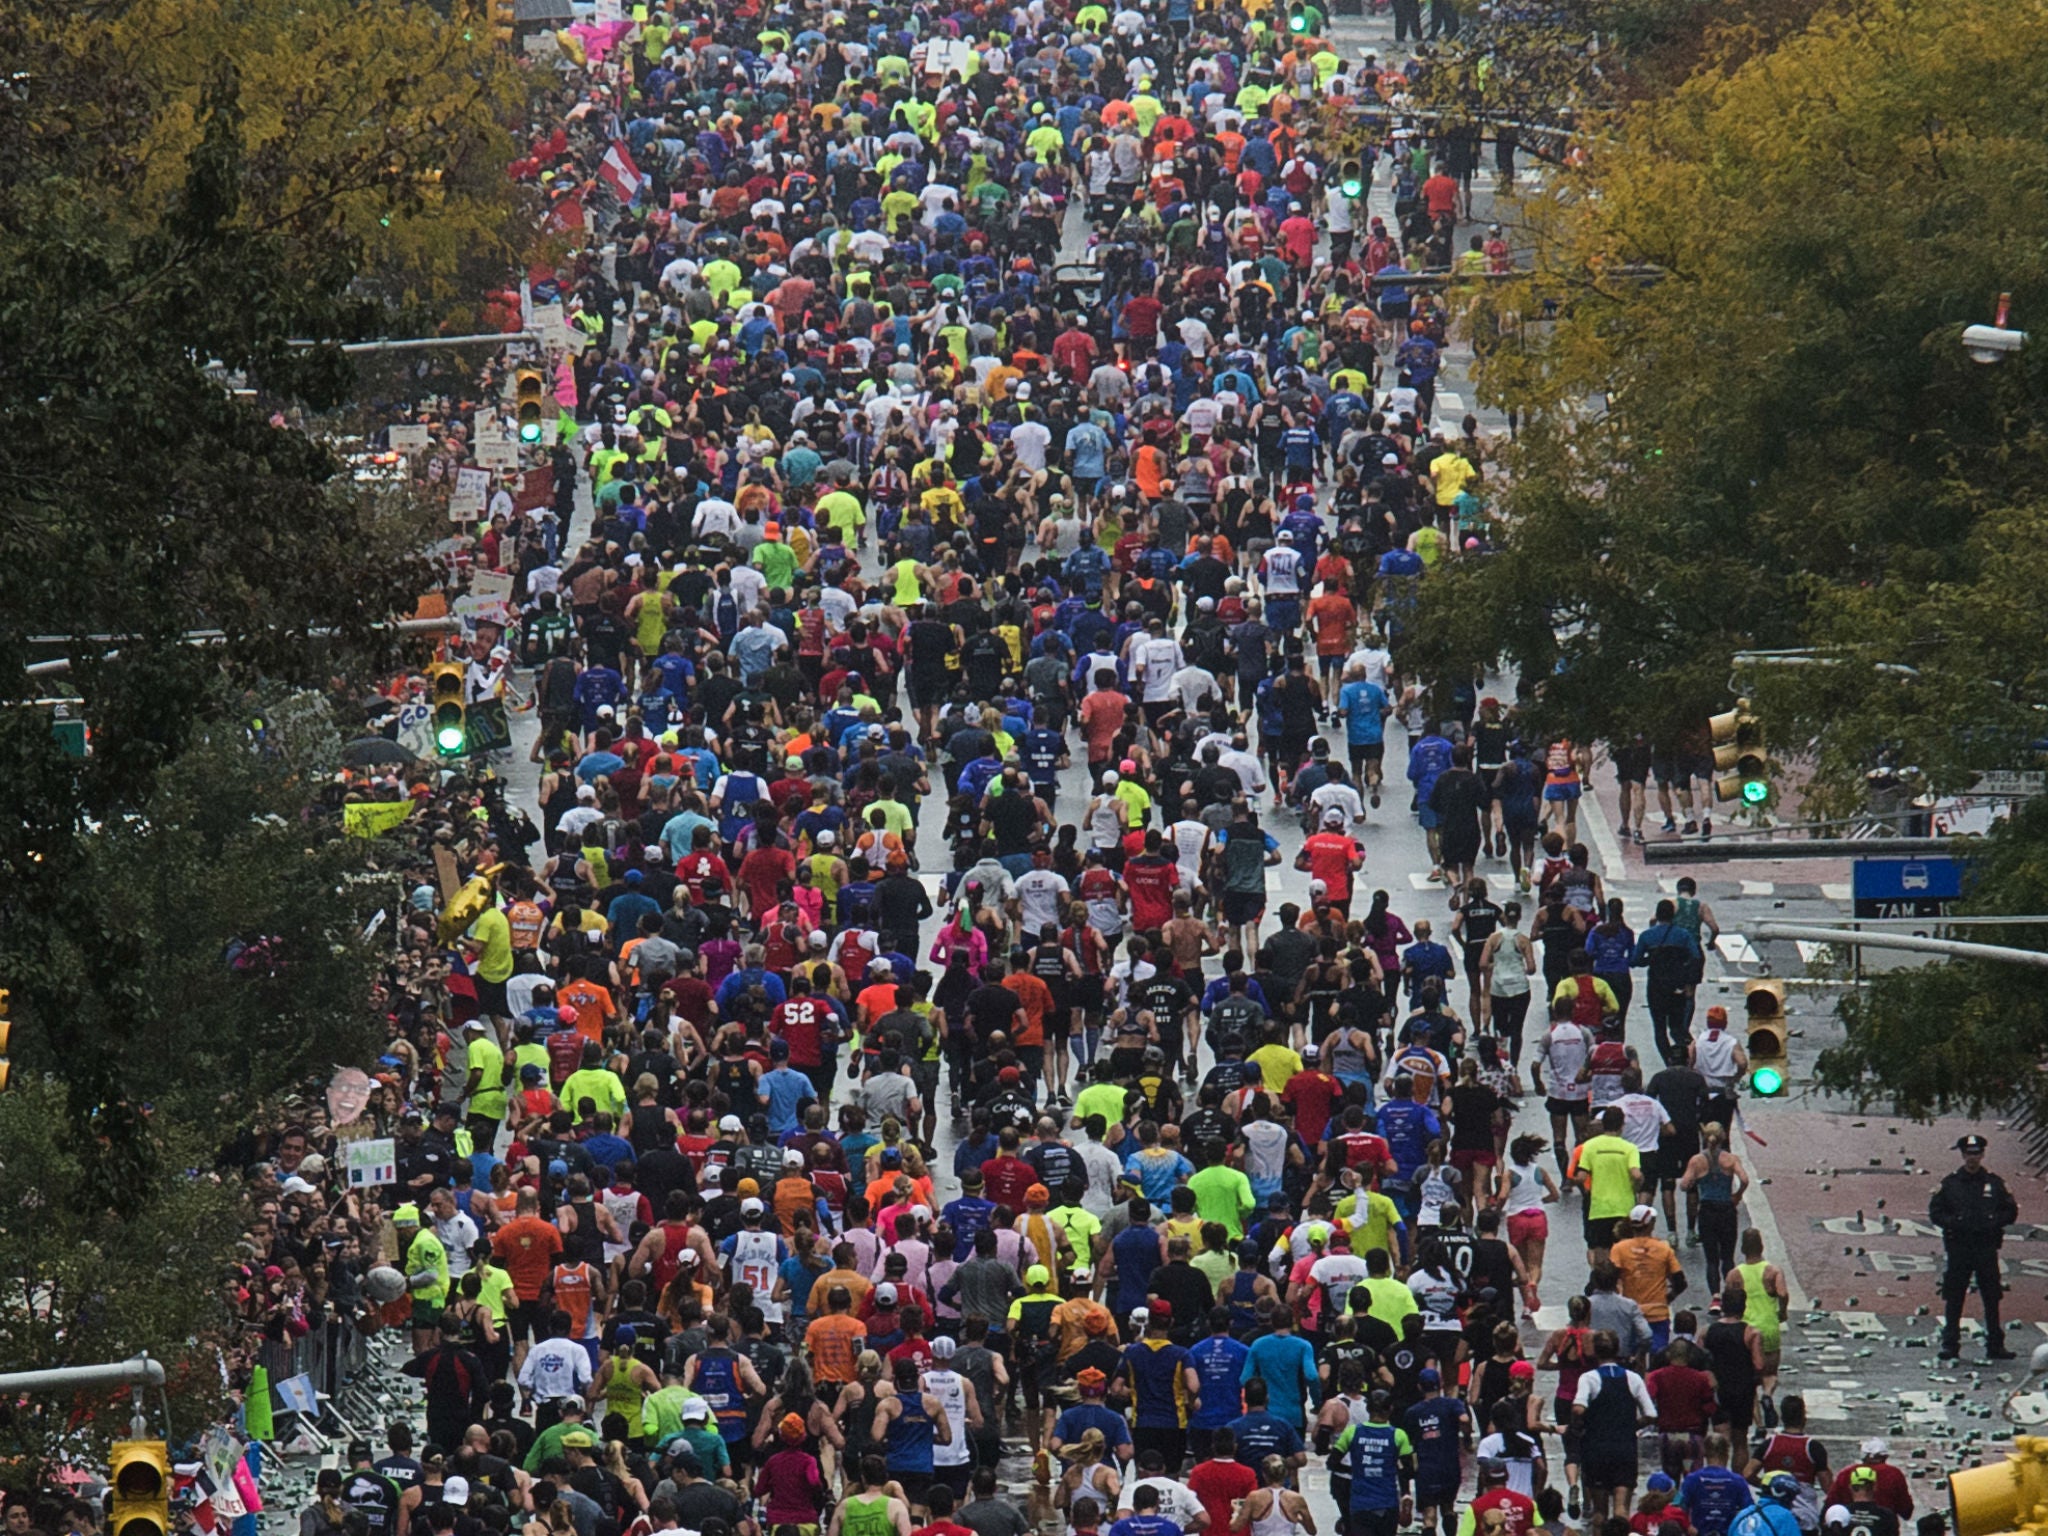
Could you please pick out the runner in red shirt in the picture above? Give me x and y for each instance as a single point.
(1518, 1510)
(1365, 1149)
(1312, 1093)
(1151, 879)
(1331, 856)
(700, 865)
(1440, 195)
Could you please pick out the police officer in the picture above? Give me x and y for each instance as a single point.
(1973, 1208)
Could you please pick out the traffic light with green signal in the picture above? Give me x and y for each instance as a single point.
(1353, 180)
(529, 403)
(448, 714)
(1740, 756)
(1763, 1000)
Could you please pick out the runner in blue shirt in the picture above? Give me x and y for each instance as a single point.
(1380, 1458)
(1089, 1414)
(1364, 707)
(1135, 1253)
(1144, 1518)
(1286, 1363)
(1713, 1495)
(1163, 1387)
(1260, 1434)
(1438, 1428)
(1219, 1372)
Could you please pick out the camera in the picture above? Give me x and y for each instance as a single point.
(1989, 343)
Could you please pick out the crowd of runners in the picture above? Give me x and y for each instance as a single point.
(880, 1092)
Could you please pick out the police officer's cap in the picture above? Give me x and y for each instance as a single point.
(1967, 1144)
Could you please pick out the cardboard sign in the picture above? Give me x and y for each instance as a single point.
(495, 452)
(489, 728)
(410, 438)
(489, 598)
(372, 1162)
(466, 501)
(946, 54)
(445, 873)
(536, 487)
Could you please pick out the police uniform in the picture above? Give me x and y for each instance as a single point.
(1973, 1209)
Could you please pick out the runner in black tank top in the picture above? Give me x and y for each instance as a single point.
(651, 1128)
(586, 1243)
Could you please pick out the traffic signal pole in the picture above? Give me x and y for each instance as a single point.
(1954, 949)
(1721, 849)
(138, 1371)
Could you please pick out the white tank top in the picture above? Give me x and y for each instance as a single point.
(754, 1261)
(1565, 1050)
(1510, 974)
(946, 1387)
(624, 1206)
(1715, 1058)
(1274, 1521)
(1525, 1190)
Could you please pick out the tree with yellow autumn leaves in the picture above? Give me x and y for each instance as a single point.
(1749, 424)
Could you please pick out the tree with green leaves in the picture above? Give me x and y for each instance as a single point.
(180, 935)
(1751, 424)
(1965, 1037)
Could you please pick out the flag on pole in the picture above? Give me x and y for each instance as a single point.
(618, 171)
(297, 1394)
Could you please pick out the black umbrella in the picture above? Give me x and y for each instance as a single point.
(374, 751)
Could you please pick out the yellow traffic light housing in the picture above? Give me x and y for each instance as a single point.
(1763, 1001)
(504, 20)
(1740, 756)
(140, 1471)
(448, 717)
(529, 403)
(2001, 1495)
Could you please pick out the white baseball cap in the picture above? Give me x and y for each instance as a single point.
(751, 1206)
(731, 1123)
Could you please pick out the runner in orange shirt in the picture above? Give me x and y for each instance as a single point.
(1334, 616)
(1034, 998)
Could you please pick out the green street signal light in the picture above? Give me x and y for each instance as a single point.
(1740, 755)
(448, 715)
(1353, 183)
(1763, 1003)
(529, 388)
(1297, 22)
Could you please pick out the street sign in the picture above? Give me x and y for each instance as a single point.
(1906, 887)
(2010, 782)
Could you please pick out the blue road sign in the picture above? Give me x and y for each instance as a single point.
(1906, 887)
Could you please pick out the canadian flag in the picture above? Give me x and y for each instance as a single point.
(619, 172)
